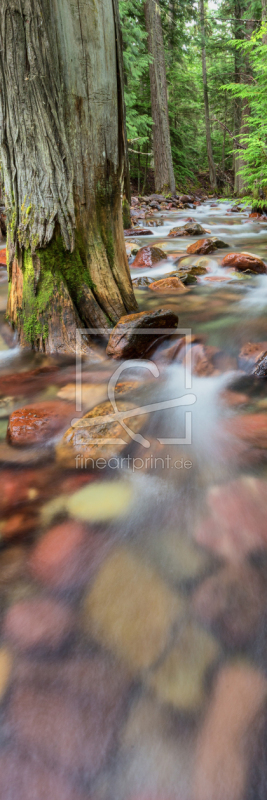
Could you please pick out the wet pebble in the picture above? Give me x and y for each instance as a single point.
(38, 623)
(37, 423)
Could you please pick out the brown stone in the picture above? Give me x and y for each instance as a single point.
(190, 229)
(3, 257)
(137, 232)
(38, 623)
(75, 734)
(67, 555)
(38, 422)
(88, 442)
(168, 285)
(231, 603)
(236, 523)
(201, 247)
(131, 610)
(229, 733)
(147, 257)
(250, 428)
(19, 524)
(244, 261)
(12, 565)
(202, 360)
(250, 354)
(125, 340)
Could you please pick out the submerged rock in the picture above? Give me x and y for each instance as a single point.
(137, 232)
(232, 603)
(144, 281)
(179, 680)
(38, 623)
(250, 354)
(147, 257)
(172, 284)
(229, 733)
(244, 261)
(67, 556)
(125, 340)
(130, 610)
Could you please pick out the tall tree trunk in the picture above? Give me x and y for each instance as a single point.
(264, 18)
(212, 171)
(164, 174)
(63, 150)
(244, 76)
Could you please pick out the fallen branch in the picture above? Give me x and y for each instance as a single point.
(239, 146)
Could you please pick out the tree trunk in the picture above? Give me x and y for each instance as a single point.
(212, 171)
(264, 19)
(63, 149)
(164, 174)
(244, 77)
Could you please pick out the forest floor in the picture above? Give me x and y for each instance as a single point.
(133, 578)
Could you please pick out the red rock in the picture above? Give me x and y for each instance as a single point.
(28, 382)
(202, 246)
(251, 353)
(38, 623)
(256, 215)
(168, 285)
(38, 422)
(137, 232)
(229, 733)
(231, 398)
(67, 555)
(250, 428)
(244, 261)
(3, 257)
(147, 257)
(23, 779)
(232, 603)
(74, 734)
(202, 360)
(125, 340)
(236, 522)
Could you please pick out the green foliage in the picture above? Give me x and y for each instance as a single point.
(253, 95)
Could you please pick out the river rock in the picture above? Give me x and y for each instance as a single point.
(86, 443)
(67, 556)
(6, 665)
(144, 281)
(232, 603)
(25, 779)
(250, 428)
(202, 360)
(147, 257)
(236, 522)
(137, 231)
(250, 354)
(125, 340)
(190, 229)
(180, 678)
(73, 733)
(38, 623)
(201, 247)
(130, 610)
(229, 733)
(172, 284)
(38, 422)
(260, 368)
(102, 501)
(244, 261)
(3, 257)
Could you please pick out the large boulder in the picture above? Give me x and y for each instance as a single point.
(126, 340)
(147, 256)
(172, 284)
(190, 229)
(243, 262)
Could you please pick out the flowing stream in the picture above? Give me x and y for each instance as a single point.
(133, 584)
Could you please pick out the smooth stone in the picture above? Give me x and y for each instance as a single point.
(67, 556)
(37, 423)
(38, 623)
(232, 603)
(147, 257)
(101, 501)
(126, 341)
(244, 261)
(172, 284)
(131, 610)
(179, 680)
(229, 733)
(97, 435)
(201, 247)
(189, 229)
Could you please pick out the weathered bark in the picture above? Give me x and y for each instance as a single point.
(163, 166)
(63, 147)
(212, 171)
(242, 124)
